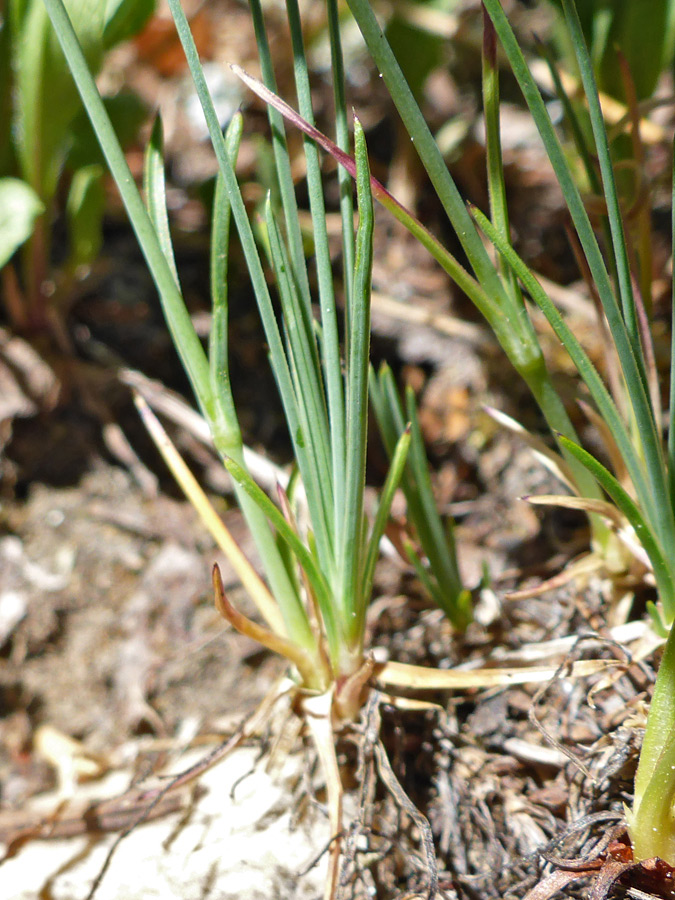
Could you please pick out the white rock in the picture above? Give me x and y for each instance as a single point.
(238, 842)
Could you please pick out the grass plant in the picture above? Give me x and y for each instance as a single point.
(320, 575)
(319, 556)
(637, 501)
(643, 489)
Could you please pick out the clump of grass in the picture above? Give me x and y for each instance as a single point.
(639, 498)
(632, 510)
(318, 547)
(320, 575)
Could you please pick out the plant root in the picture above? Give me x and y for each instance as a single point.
(317, 712)
(373, 757)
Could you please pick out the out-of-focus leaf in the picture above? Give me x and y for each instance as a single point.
(418, 51)
(127, 113)
(5, 99)
(84, 209)
(124, 18)
(19, 208)
(644, 32)
(46, 99)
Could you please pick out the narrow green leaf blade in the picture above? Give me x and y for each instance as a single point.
(282, 161)
(342, 140)
(315, 463)
(441, 575)
(154, 184)
(428, 151)
(358, 357)
(330, 338)
(630, 360)
(386, 498)
(585, 367)
(305, 559)
(178, 319)
(84, 209)
(614, 215)
(225, 425)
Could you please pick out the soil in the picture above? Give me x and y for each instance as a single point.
(114, 662)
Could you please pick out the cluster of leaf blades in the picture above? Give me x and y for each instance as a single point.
(647, 496)
(630, 418)
(320, 572)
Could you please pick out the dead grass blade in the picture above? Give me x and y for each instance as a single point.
(403, 675)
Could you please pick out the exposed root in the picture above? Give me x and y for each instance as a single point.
(373, 760)
(405, 803)
(562, 672)
(317, 712)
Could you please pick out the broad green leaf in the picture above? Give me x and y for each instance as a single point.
(19, 208)
(650, 822)
(661, 720)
